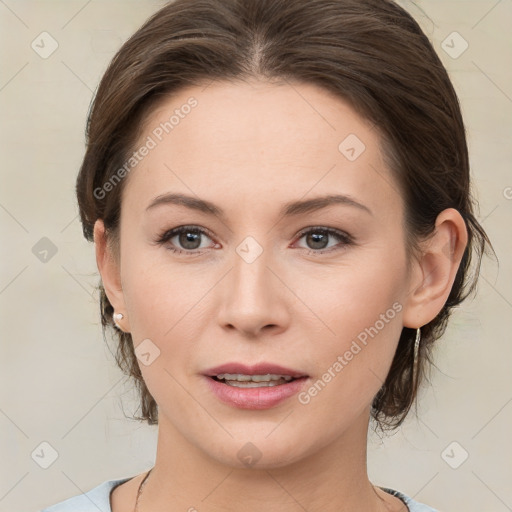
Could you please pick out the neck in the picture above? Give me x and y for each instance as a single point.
(333, 478)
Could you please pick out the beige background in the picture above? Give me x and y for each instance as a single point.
(59, 381)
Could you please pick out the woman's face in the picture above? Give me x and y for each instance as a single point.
(276, 276)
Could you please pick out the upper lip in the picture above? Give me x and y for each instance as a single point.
(257, 369)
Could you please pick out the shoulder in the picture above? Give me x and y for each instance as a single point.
(412, 505)
(95, 500)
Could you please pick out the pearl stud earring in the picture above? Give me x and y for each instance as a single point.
(116, 317)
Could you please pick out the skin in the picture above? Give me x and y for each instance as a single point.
(249, 148)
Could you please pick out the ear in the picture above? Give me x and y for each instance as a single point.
(433, 275)
(110, 273)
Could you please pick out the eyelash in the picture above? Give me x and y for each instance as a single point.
(344, 238)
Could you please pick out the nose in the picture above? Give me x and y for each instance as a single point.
(254, 299)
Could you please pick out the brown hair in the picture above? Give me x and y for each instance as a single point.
(371, 53)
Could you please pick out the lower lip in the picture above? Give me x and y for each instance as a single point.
(255, 398)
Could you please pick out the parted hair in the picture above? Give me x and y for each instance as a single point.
(371, 54)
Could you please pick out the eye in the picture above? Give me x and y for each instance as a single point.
(187, 239)
(317, 239)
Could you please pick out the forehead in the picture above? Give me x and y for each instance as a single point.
(256, 138)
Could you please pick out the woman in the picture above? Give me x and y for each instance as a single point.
(278, 192)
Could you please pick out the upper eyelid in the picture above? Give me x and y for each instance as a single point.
(301, 232)
(327, 229)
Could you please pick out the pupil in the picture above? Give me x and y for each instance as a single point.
(318, 240)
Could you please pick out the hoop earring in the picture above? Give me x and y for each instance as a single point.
(116, 317)
(416, 350)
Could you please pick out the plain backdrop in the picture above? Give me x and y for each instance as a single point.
(59, 382)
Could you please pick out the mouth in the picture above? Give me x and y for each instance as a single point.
(261, 386)
(262, 374)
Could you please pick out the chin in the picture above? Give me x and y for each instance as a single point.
(259, 451)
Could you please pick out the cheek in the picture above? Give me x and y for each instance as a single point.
(362, 308)
(164, 305)
(160, 294)
(352, 298)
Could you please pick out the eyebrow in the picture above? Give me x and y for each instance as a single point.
(289, 209)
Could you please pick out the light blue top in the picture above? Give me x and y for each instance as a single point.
(98, 500)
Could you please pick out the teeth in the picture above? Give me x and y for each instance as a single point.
(251, 384)
(253, 378)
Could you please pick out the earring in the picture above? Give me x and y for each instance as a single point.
(116, 317)
(416, 350)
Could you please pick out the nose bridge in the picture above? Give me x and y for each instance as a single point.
(253, 296)
(250, 272)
